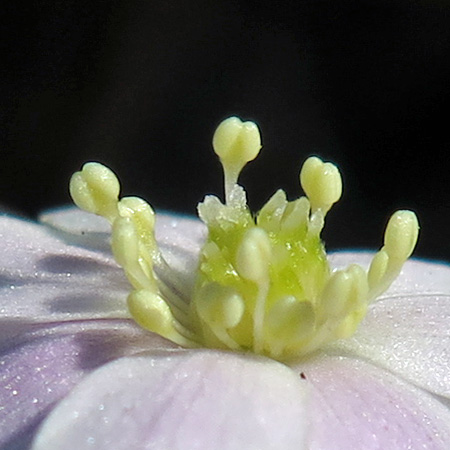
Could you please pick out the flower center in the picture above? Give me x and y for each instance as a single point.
(263, 283)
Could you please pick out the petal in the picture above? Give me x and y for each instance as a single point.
(41, 366)
(416, 277)
(173, 231)
(409, 335)
(358, 406)
(44, 279)
(179, 238)
(47, 274)
(187, 400)
(73, 220)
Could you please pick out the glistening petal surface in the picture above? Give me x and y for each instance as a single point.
(44, 279)
(179, 237)
(358, 406)
(186, 400)
(417, 276)
(409, 335)
(42, 365)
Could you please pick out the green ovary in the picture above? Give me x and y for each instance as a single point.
(298, 269)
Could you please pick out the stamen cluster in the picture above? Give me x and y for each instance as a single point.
(263, 283)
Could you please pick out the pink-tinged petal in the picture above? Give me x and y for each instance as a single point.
(43, 279)
(409, 335)
(417, 276)
(41, 366)
(358, 406)
(188, 400)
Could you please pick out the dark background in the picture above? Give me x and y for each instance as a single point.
(141, 86)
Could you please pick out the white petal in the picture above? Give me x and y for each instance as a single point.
(179, 238)
(188, 400)
(417, 276)
(43, 278)
(358, 406)
(174, 232)
(73, 220)
(41, 366)
(409, 335)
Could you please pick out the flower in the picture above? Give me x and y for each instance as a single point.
(74, 361)
(77, 372)
(263, 283)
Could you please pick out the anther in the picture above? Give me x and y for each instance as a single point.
(153, 313)
(96, 189)
(236, 143)
(220, 308)
(126, 249)
(401, 235)
(253, 255)
(288, 322)
(252, 263)
(321, 182)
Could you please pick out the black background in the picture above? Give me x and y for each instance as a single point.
(141, 86)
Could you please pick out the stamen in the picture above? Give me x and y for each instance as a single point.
(345, 291)
(236, 143)
(125, 247)
(252, 263)
(400, 239)
(151, 312)
(264, 283)
(143, 218)
(220, 308)
(96, 189)
(401, 235)
(289, 322)
(321, 182)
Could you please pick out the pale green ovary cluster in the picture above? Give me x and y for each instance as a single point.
(263, 284)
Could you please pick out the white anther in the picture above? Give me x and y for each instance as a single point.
(153, 313)
(321, 182)
(219, 305)
(345, 291)
(253, 255)
(124, 241)
(290, 320)
(136, 208)
(237, 142)
(360, 287)
(336, 293)
(95, 189)
(143, 217)
(401, 234)
(378, 268)
(126, 250)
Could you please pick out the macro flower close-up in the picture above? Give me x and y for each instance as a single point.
(126, 329)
